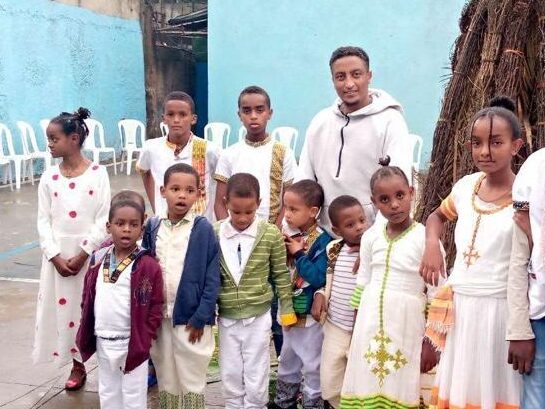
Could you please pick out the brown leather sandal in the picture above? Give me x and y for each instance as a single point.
(77, 377)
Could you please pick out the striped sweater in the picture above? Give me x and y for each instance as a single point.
(253, 294)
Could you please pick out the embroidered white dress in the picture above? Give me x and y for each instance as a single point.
(473, 371)
(72, 216)
(383, 367)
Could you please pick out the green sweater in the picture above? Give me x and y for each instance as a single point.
(253, 294)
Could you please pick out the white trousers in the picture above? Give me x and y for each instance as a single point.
(118, 390)
(180, 365)
(300, 358)
(245, 362)
(334, 358)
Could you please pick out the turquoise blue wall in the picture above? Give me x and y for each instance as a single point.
(55, 57)
(285, 45)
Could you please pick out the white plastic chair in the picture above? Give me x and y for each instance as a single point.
(90, 142)
(5, 164)
(22, 162)
(164, 128)
(417, 143)
(30, 146)
(128, 131)
(242, 133)
(218, 133)
(286, 135)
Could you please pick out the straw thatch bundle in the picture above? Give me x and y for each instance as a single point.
(500, 51)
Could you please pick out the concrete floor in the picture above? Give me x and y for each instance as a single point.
(23, 385)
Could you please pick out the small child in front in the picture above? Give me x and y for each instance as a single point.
(306, 247)
(252, 255)
(188, 252)
(121, 310)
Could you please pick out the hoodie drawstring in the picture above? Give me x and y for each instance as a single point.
(339, 162)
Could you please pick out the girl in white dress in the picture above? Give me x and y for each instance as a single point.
(73, 204)
(468, 323)
(387, 352)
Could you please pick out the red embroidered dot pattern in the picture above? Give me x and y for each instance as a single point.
(91, 192)
(84, 242)
(55, 354)
(72, 214)
(62, 301)
(71, 185)
(55, 194)
(55, 176)
(74, 351)
(71, 324)
(95, 167)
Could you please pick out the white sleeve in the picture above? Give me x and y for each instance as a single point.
(366, 249)
(213, 153)
(98, 232)
(305, 170)
(398, 145)
(223, 168)
(144, 159)
(48, 244)
(289, 166)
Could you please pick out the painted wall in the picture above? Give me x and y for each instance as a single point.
(285, 46)
(55, 57)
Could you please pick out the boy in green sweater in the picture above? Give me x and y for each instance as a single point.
(252, 255)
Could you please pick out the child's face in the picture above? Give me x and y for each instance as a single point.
(392, 196)
(125, 227)
(254, 114)
(351, 78)
(492, 144)
(242, 211)
(59, 143)
(296, 212)
(180, 193)
(179, 118)
(351, 224)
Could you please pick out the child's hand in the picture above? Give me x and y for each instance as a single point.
(318, 306)
(76, 263)
(195, 334)
(429, 357)
(293, 245)
(62, 266)
(432, 264)
(521, 355)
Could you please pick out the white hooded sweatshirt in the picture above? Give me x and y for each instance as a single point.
(341, 152)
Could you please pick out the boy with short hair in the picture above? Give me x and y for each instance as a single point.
(188, 252)
(179, 146)
(272, 163)
(332, 304)
(306, 248)
(252, 256)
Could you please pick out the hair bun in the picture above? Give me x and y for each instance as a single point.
(503, 101)
(385, 161)
(82, 113)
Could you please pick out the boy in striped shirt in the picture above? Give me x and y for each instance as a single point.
(332, 304)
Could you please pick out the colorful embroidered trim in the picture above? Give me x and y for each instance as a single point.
(520, 205)
(120, 267)
(375, 402)
(356, 297)
(276, 175)
(438, 403)
(198, 159)
(440, 317)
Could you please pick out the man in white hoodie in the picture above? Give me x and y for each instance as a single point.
(345, 141)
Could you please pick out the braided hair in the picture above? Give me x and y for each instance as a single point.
(74, 123)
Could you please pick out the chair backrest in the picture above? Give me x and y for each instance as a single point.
(128, 131)
(164, 128)
(286, 135)
(28, 138)
(218, 133)
(417, 143)
(242, 133)
(90, 141)
(5, 135)
(44, 123)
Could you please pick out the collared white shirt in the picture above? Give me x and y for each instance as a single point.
(236, 248)
(171, 249)
(113, 303)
